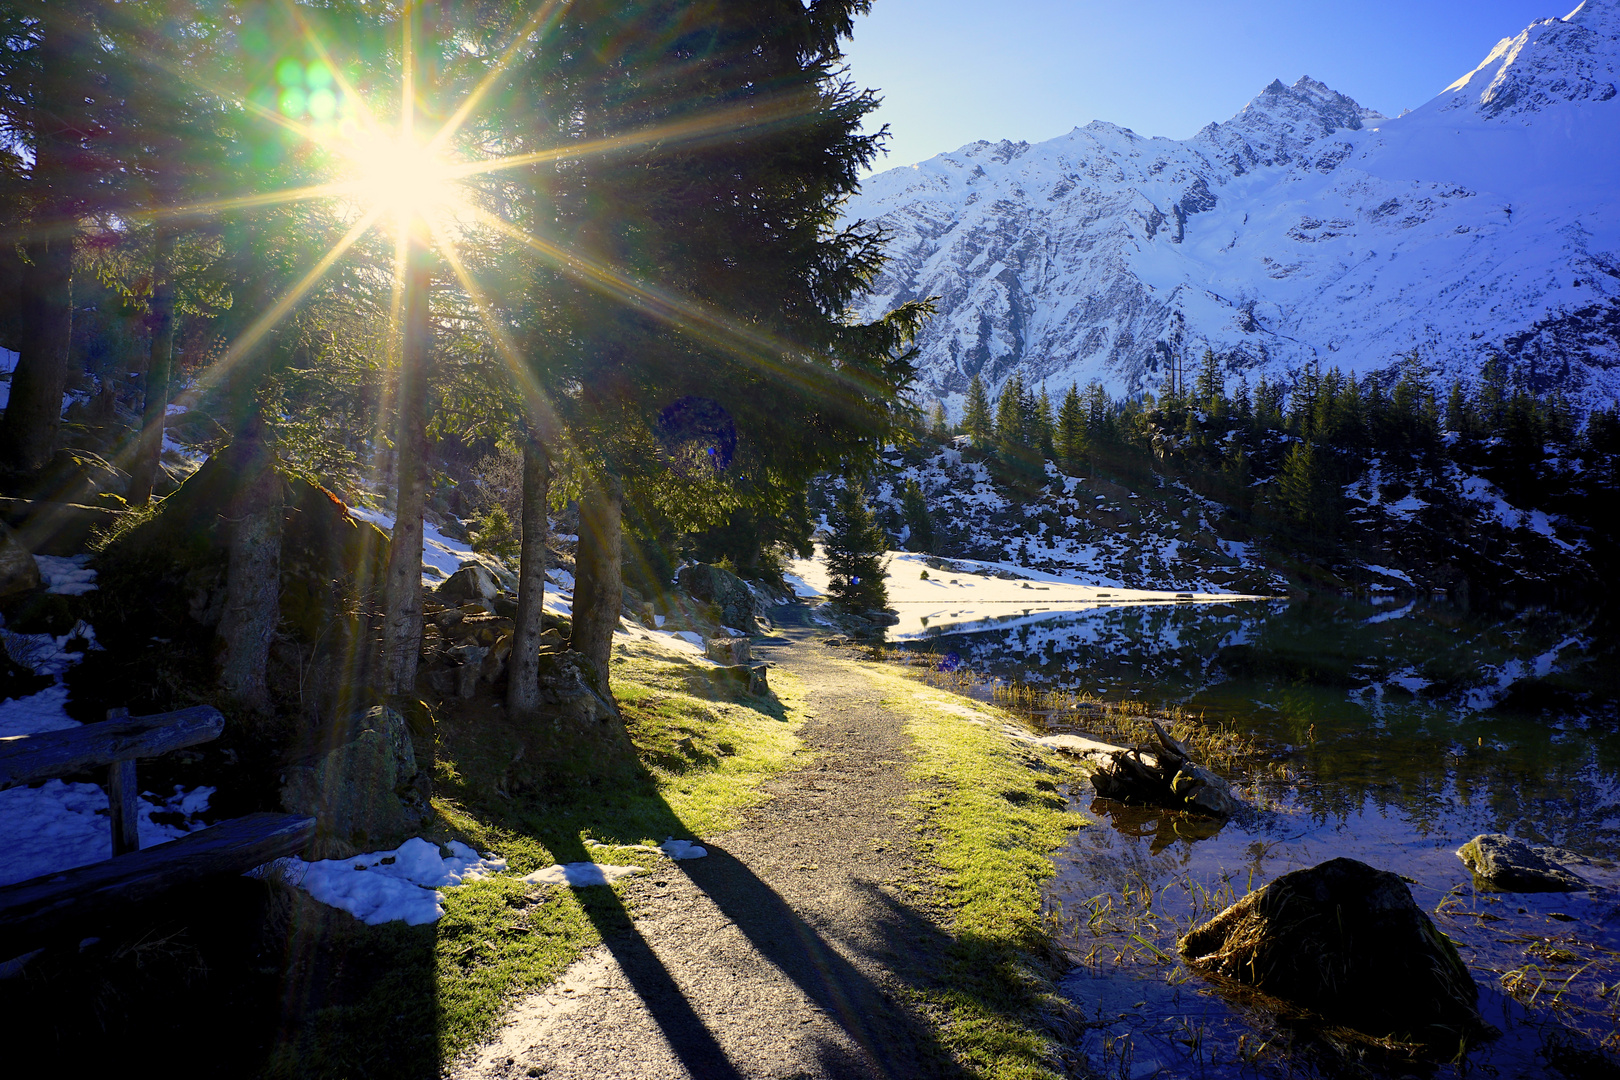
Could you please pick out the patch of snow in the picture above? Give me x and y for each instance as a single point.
(1391, 615)
(1385, 571)
(391, 886)
(70, 576)
(683, 849)
(59, 825)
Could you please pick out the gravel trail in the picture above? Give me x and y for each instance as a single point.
(785, 952)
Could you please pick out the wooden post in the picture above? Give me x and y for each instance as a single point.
(122, 789)
(121, 792)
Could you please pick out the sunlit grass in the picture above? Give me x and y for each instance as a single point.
(992, 812)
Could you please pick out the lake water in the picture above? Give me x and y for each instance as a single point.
(1397, 731)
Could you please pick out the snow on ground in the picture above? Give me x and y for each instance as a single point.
(972, 594)
(70, 576)
(58, 825)
(391, 886)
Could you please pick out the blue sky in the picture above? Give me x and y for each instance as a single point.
(952, 71)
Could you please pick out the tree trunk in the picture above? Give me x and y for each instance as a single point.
(598, 591)
(149, 451)
(253, 573)
(402, 590)
(34, 412)
(523, 670)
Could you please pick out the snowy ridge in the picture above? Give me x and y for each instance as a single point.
(1305, 230)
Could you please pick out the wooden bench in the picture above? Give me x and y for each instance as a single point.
(33, 910)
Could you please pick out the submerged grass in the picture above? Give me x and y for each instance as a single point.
(992, 812)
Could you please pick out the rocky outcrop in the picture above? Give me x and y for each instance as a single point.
(1502, 864)
(1348, 943)
(362, 792)
(726, 591)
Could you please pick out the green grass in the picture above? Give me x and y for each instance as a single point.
(992, 811)
(422, 995)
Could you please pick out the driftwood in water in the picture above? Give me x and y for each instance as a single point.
(1164, 776)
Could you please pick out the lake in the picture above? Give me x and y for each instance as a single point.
(1395, 731)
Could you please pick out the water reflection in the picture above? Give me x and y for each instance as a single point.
(1406, 730)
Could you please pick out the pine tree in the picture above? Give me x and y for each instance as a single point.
(1045, 426)
(976, 414)
(855, 554)
(914, 512)
(1070, 438)
(1303, 488)
(1010, 430)
(939, 426)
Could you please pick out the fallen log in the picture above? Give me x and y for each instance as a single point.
(1165, 775)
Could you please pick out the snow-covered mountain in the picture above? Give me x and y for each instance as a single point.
(1305, 229)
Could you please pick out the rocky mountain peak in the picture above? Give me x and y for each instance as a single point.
(1282, 121)
(1576, 58)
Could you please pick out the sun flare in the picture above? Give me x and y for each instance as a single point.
(403, 180)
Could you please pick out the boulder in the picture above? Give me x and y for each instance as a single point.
(1503, 864)
(354, 789)
(724, 590)
(80, 476)
(19, 573)
(728, 650)
(472, 582)
(1347, 942)
(568, 689)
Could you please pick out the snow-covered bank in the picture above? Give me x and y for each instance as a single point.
(970, 591)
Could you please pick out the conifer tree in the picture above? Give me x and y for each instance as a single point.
(1045, 426)
(1010, 417)
(1303, 488)
(855, 553)
(939, 425)
(1070, 438)
(914, 512)
(976, 414)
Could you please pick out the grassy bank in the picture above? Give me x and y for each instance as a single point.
(992, 812)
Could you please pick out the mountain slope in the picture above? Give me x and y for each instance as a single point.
(1306, 229)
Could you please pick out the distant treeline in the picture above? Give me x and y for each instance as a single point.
(1280, 455)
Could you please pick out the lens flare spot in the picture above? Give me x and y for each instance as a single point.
(290, 72)
(322, 104)
(293, 103)
(318, 75)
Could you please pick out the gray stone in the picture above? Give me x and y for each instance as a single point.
(567, 689)
(475, 582)
(1347, 942)
(352, 790)
(18, 570)
(728, 650)
(1507, 865)
(725, 590)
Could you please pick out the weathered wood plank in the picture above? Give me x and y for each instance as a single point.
(31, 910)
(27, 758)
(122, 789)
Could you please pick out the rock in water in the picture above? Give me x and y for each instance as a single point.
(1508, 865)
(1347, 942)
(18, 571)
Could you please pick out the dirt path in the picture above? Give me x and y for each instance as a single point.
(786, 952)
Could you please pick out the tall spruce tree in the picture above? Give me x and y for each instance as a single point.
(976, 414)
(1010, 417)
(716, 267)
(1070, 438)
(914, 512)
(855, 553)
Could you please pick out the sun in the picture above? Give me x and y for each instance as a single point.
(403, 179)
